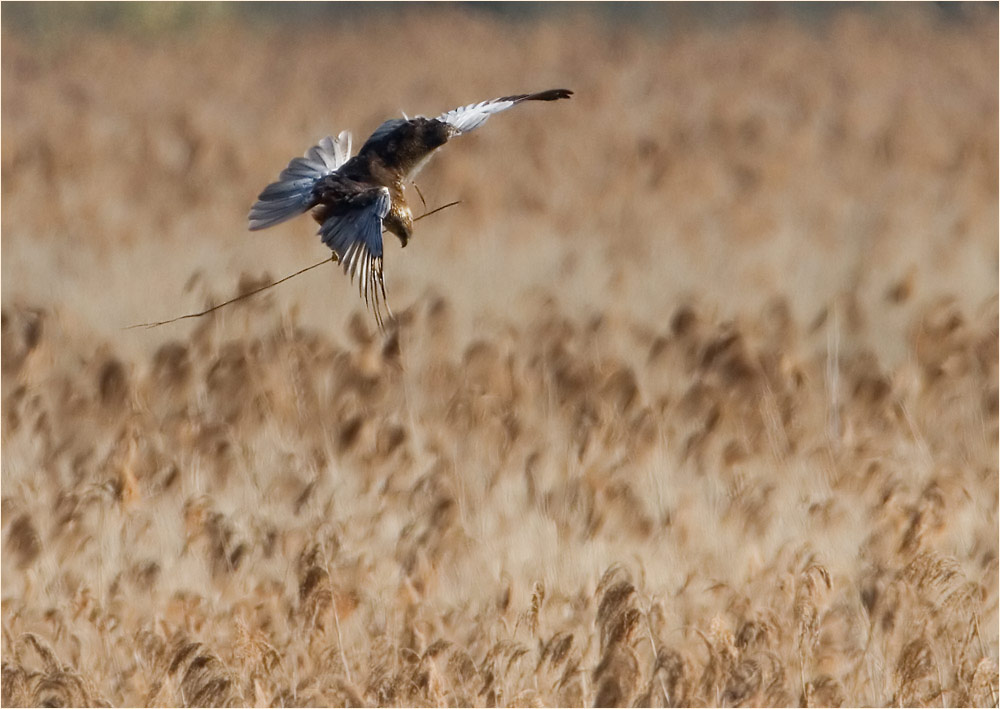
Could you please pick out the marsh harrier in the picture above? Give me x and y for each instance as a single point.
(355, 199)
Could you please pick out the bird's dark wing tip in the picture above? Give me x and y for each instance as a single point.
(552, 95)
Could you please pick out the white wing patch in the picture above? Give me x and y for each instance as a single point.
(323, 159)
(341, 147)
(470, 117)
(332, 152)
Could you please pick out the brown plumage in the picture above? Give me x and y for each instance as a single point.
(355, 199)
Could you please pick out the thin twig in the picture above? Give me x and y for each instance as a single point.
(437, 209)
(333, 258)
(421, 195)
(148, 325)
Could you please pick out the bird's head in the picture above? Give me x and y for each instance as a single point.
(433, 133)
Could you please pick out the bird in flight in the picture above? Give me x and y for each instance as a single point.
(355, 199)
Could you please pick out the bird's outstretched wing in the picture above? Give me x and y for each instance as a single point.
(354, 233)
(467, 118)
(292, 194)
(403, 145)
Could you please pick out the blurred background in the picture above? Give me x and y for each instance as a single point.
(712, 345)
(843, 151)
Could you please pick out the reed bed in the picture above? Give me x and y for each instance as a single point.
(693, 400)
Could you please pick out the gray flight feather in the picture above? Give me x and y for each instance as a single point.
(292, 195)
(356, 238)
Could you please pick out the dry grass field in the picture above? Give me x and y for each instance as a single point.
(693, 399)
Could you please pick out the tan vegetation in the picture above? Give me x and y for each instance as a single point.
(693, 400)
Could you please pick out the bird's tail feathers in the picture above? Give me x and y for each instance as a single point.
(292, 194)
